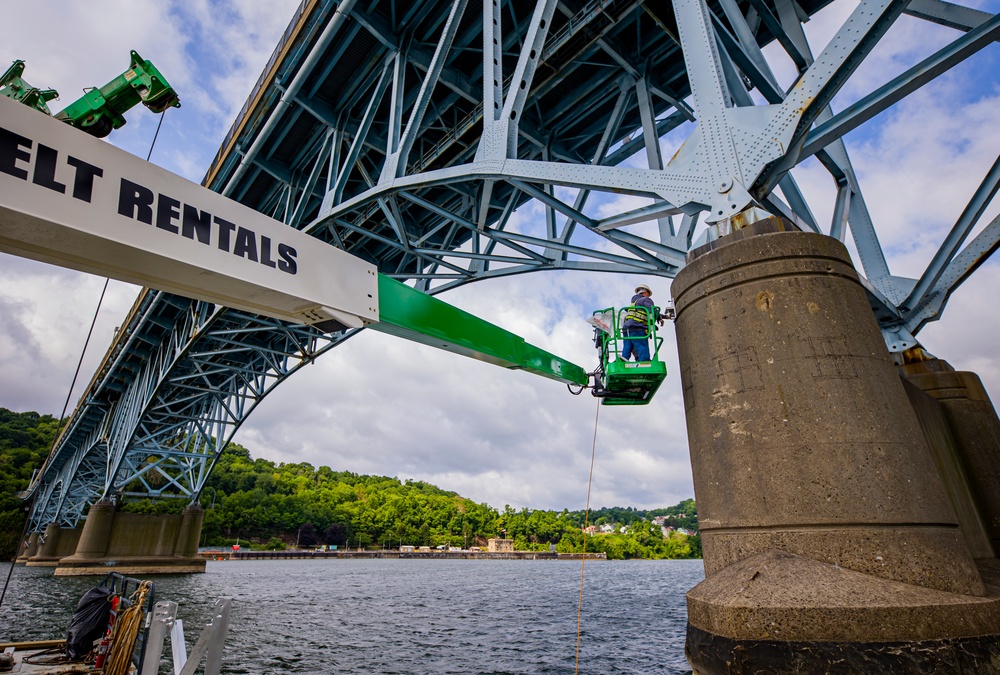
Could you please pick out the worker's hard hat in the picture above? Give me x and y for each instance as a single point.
(643, 287)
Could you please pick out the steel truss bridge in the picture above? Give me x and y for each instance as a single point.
(407, 133)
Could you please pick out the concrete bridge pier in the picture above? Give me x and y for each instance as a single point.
(830, 543)
(26, 551)
(190, 532)
(54, 544)
(136, 544)
(969, 432)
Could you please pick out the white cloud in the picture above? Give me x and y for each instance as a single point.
(46, 315)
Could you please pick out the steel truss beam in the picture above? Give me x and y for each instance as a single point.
(166, 429)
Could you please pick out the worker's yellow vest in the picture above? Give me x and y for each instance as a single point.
(637, 314)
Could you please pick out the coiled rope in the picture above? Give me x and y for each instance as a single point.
(125, 633)
(586, 524)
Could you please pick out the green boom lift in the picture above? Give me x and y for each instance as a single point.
(621, 382)
(99, 110)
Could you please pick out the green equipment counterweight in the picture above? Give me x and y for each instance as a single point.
(13, 86)
(99, 110)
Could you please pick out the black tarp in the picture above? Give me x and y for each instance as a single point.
(89, 622)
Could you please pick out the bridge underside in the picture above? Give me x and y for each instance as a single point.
(367, 129)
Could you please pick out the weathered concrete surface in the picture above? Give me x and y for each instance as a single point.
(802, 437)
(190, 532)
(972, 422)
(714, 654)
(809, 464)
(776, 580)
(948, 458)
(777, 595)
(96, 534)
(136, 544)
(56, 543)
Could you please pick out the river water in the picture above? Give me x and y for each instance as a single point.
(408, 616)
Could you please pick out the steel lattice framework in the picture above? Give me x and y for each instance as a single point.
(407, 133)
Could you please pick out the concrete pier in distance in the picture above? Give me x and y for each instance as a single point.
(53, 545)
(829, 539)
(28, 549)
(136, 544)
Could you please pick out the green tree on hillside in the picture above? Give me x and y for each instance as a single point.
(266, 504)
(25, 440)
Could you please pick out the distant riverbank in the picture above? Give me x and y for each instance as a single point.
(222, 554)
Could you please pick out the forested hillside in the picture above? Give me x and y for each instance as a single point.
(25, 439)
(262, 504)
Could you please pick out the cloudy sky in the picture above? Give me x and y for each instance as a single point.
(384, 406)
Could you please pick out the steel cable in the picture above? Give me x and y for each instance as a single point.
(586, 524)
(55, 436)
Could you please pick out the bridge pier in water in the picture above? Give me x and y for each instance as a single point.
(965, 432)
(136, 544)
(827, 530)
(25, 552)
(53, 545)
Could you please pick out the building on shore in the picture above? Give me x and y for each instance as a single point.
(500, 545)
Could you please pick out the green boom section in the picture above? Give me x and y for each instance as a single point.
(412, 315)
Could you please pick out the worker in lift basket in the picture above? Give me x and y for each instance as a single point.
(635, 328)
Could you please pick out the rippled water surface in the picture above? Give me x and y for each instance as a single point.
(408, 616)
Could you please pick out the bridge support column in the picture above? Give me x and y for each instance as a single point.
(136, 544)
(25, 552)
(55, 544)
(190, 532)
(827, 535)
(96, 532)
(972, 423)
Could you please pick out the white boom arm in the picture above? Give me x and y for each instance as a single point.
(72, 200)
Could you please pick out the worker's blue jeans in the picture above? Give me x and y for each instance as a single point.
(639, 347)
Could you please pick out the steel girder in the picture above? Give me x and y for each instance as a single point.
(409, 133)
(164, 404)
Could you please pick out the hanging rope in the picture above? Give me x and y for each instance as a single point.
(55, 437)
(69, 395)
(125, 633)
(586, 524)
(153, 144)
